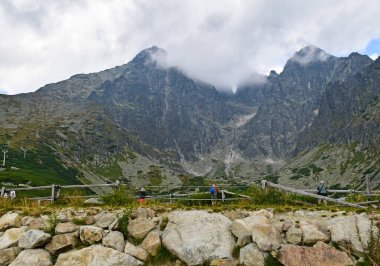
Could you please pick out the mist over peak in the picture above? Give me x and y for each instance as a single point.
(310, 54)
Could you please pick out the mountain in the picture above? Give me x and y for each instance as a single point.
(146, 123)
(292, 100)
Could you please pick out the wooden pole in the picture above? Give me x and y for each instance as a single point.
(52, 193)
(263, 184)
(368, 180)
(2, 191)
(240, 195)
(300, 192)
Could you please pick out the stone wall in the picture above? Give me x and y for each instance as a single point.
(192, 237)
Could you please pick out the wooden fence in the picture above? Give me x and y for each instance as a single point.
(55, 192)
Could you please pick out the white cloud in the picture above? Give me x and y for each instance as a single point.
(374, 56)
(219, 41)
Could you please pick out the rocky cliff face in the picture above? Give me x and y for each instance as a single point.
(292, 101)
(348, 112)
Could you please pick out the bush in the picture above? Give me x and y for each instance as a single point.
(51, 224)
(117, 198)
(124, 221)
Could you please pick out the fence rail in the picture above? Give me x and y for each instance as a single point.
(55, 192)
(301, 192)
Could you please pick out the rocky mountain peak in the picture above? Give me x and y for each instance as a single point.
(310, 54)
(149, 55)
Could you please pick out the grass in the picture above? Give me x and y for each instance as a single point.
(40, 167)
(236, 252)
(78, 221)
(124, 221)
(163, 257)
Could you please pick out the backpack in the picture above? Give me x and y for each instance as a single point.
(212, 190)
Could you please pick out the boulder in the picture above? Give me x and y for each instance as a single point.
(268, 213)
(320, 254)
(152, 242)
(11, 237)
(38, 223)
(266, 237)
(31, 257)
(287, 225)
(64, 228)
(137, 252)
(250, 255)
(62, 243)
(27, 220)
(33, 238)
(344, 232)
(233, 215)
(114, 240)
(140, 213)
(365, 229)
(8, 255)
(90, 234)
(243, 227)
(104, 219)
(9, 220)
(96, 255)
(313, 232)
(294, 235)
(140, 227)
(198, 236)
(224, 262)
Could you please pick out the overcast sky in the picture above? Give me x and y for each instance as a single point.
(221, 42)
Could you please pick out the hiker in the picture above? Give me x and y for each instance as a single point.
(214, 194)
(142, 195)
(322, 191)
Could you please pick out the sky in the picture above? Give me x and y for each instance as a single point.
(222, 42)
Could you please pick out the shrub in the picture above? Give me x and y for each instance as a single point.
(116, 198)
(51, 224)
(124, 221)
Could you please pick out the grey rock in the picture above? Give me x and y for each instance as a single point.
(33, 238)
(11, 237)
(198, 236)
(250, 255)
(38, 257)
(115, 240)
(140, 227)
(96, 255)
(62, 243)
(8, 255)
(90, 234)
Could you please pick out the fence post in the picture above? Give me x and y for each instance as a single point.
(368, 180)
(52, 194)
(263, 184)
(2, 191)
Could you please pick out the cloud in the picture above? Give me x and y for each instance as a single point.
(374, 56)
(218, 41)
(310, 54)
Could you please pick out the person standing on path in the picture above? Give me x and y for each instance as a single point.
(322, 191)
